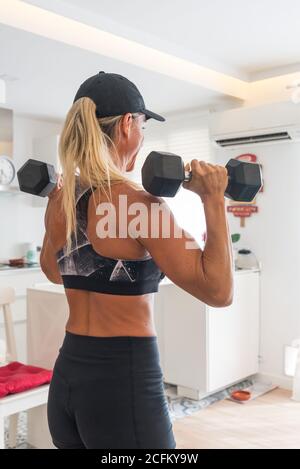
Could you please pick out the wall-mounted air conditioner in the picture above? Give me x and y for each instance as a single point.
(263, 125)
(2, 92)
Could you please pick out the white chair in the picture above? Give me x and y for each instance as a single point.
(12, 404)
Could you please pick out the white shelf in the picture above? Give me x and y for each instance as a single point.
(6, 270)
(10, 190)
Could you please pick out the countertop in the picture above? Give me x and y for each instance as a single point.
(5, 269)
(59, 288)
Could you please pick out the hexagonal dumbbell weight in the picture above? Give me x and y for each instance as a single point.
(163, 173)
(37, 178)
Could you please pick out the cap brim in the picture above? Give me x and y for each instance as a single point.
(152, 115)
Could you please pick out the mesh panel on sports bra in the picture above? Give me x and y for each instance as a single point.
(86, 269)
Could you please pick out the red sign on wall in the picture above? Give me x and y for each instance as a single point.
(244, 209)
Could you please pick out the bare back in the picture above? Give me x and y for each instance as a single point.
(206, 275)
(101, 314)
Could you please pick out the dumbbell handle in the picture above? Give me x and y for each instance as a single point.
(231, 179)
(188, 176)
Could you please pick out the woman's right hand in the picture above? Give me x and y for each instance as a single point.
(208, 180)
(59, 184)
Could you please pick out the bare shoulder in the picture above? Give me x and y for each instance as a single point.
(141, 196)
(138, 205)
(125, 189)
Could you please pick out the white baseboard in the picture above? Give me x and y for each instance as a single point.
(284, 382)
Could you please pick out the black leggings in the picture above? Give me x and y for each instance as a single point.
(108, 393)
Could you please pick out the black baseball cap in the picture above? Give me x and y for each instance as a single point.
(114, 95)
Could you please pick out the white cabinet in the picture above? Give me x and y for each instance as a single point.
(20, 280)
(233, 346)
(205, 349)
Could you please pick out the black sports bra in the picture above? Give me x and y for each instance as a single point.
(85, 269)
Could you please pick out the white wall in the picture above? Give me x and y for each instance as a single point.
(20, 220)
(274, 236)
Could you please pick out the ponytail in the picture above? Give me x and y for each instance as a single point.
(85, 149)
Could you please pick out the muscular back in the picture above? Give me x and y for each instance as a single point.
(198, 272)
(92, 313)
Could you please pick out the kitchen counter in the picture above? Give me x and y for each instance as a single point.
(15, 269)
(59, 288)
(6, 269)
(167, 281)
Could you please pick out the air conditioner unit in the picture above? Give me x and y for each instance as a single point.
(2, 92)
(262, 125)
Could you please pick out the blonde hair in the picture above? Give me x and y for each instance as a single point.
(85, 147)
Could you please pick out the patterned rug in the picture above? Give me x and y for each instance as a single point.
(179, 407)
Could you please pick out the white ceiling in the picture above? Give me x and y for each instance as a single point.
(232, 36)
(49, 74)
(248, 36)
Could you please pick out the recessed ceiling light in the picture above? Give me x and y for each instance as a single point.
(45, 23)
(293, 85)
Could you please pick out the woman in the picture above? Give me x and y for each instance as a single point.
(107, 387)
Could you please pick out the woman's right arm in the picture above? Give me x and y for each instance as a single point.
(206, 274)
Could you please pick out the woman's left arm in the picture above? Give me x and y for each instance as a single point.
(48, 258)
(48, 261)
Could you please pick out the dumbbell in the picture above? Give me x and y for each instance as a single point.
(163, 173)
(37, 178)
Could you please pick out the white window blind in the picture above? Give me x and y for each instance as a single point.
(187, 136)
(190, 144)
